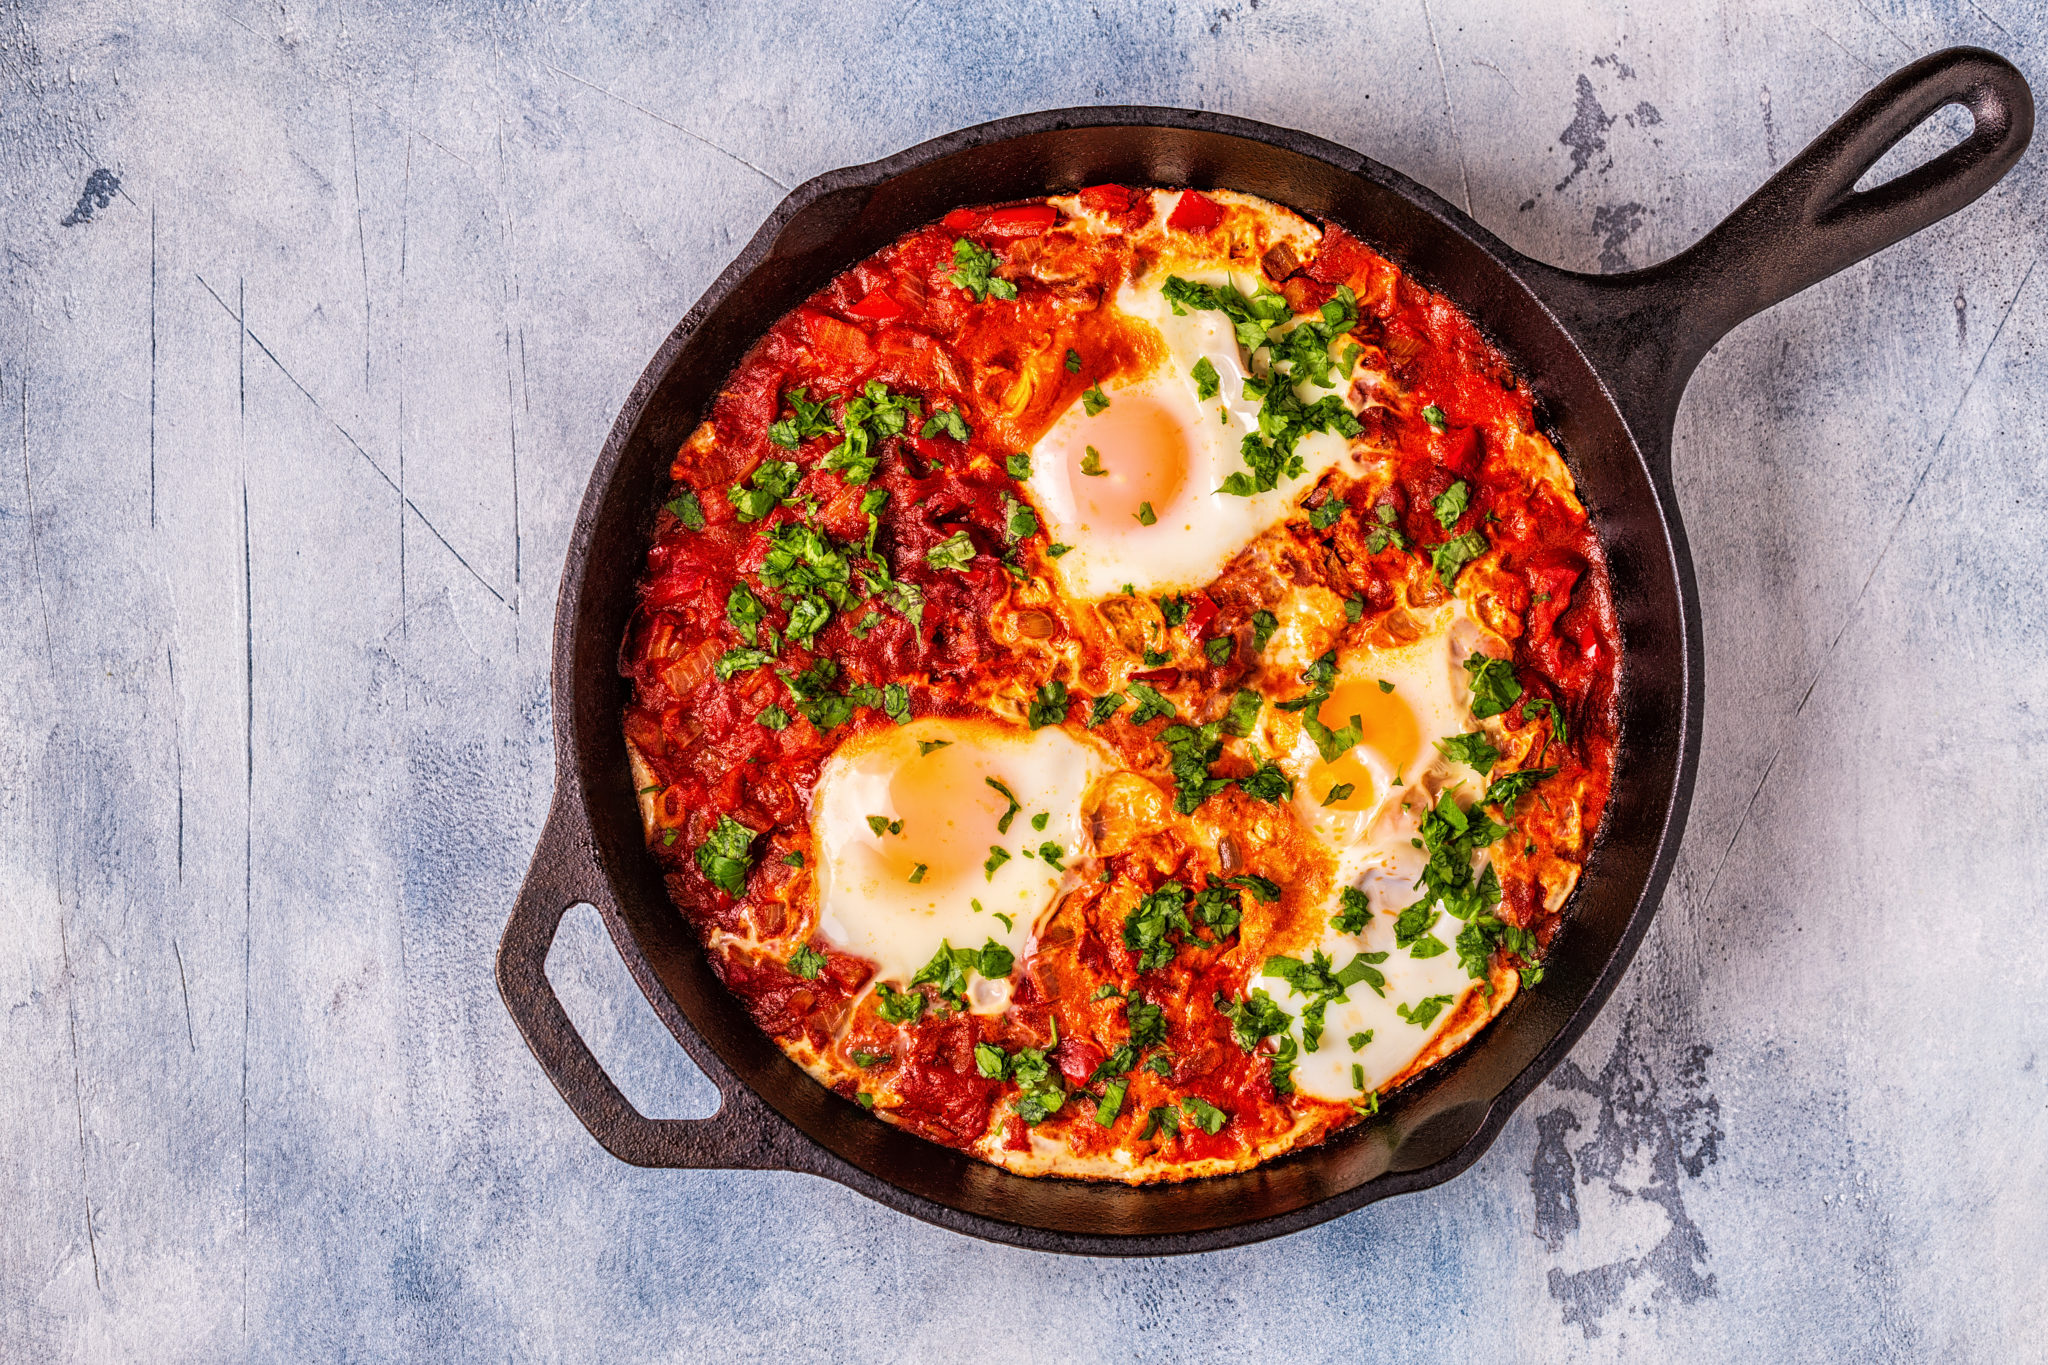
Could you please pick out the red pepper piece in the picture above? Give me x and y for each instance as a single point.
(1460, 450)
(959, 220)
(1166, 677)
(1024, 220)
(1195, 213)
(1106, 199)
(877, 307)
(1203, 612)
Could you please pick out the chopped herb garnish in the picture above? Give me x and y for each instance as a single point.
(1145, 515)
(806, 419)
(1049, 706)
(1243, 712)
(1325, 515)
(1094, 400)
(1003, 825)
(685, 508)
(1423, 1013)
(1111, 1103)
(1105, 706)
(954, 552)
(1220, 649)
(724, 855)
(1340, 791)
(864, 1058)
(1359, 1040)
(973, 271)
(1206, 1116)
(1073, 361)
(1040, 820)
(1474, 750)
(917, 874)
(1434, 415)
(1537, 707)
(1019, 466)
(1453, 555)
(996, 858)
(774, 717)
(807, 962)
(1451, 504)
(793, 858)
(1151, 705)
(945, 422)
(1207, 383)
(1494, 688)
(1091, 464)
(898, 1007)
(1055, 551)
(1264, 623)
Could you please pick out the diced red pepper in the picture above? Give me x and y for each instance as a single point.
(1203, 612)
(1195, 213)
(877, 307)
(1106, 199)
(837, 341)
(959, 220)
(1460, 449)
(1024, 220)
(1166, 677)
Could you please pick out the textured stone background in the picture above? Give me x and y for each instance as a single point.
(314, 319)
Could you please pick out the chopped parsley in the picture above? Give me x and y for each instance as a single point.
(806, 419)
(1151, 705)
(1205, 1115)
(1454, 554)
(1105, 706)
(1326, 514)
(1243, 712)
(1049, 706)
(1019, 466)
(1193, 751)
(685, 508)
(1386, 533)
(1423, 1013)
(1207, 383)
(954, 552)
(1073, 361)
(771, 482)
(740, 661)
(1145, 515)
(1340, 791)
(1111, 1103)
(1094, 400)
(1091, 464)
(1353, 911)
(1322, 986)
(1037, 1079)
(1055, 551)
(774, 717)
(949, 968)
(1494, 688)
(1505, 789)
(793, 858)
(1003, 825)
(997, 856)
(1537, 707)
(1264, 623)
(1019, 521)
(864, 1058)
(1358, 1041)
(898, 1007)
(1040, 820)
(871, 416)
(1474, 750)
(1434, 415)
(1451, 504)
(917, 873)
(946, 422)
(973, 271)
(724, 855)
(807, 962)
(1220, 649)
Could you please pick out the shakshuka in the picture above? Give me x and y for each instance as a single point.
(1122, 682)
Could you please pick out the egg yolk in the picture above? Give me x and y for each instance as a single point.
(1141, 453)
(949, 816)
(1390, 731)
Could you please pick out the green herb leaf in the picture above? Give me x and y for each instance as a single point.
(1151, 705)
(1243, 713)
(1049, 706)
(740, 661)
(806, 419)
(685, 508)
(1073, 361)
(898, 1007)
(1207, 1116)
(1423, 1013)
(774, 717)
(1451, 504)
(1091, 464)
(1353, 911)
(1340, 791)
(807, 962)
(1220, 649)
(1207, 383)
(1111, 1103)
(1094, 400)
(1055, 551)
(1145, 515)
(973, 268)
(946, 422)
(1538, 707)
(996, 858)
(1264, 623)
(1105, 706)
(1019, 466)
(1434, 415)
(724, 856)
(954, 552)
(1474, 750)
(1494, 688)
(1327, 514)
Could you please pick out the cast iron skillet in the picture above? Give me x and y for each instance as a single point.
(1607, 356)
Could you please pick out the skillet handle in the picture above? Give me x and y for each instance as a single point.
(742, 1135)
(1645, 330)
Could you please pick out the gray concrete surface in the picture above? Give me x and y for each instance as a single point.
(314, 319)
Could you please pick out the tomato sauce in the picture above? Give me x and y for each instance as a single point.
(900, 319)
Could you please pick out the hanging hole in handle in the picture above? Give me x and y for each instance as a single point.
(1946, 127)
(599, 996)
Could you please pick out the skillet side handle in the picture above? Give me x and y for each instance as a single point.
(1646, 330)
(742, 1135)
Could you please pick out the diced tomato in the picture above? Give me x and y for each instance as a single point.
(1203, 612)
(1340, 257)
(1195, 213)
(877, 307)
(1107, 199)
(1078, 1059)
(1024, 220)
(842, 343)
(959, 220)
(1460, 450)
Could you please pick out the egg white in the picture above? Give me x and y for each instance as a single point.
(949, 817)
(1198, 529)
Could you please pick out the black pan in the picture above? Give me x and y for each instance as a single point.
(1607, 356)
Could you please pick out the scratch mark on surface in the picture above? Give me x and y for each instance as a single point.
(92, 1240)
(404, 244)
(1444, 83)
(357, 446)
(177, 752)
(152, 364)
(35, 553)
(1843, 50)
(1770, 130)
(669, 122)
(1988, 19)
(1889, 31)
(190, 1040)
(1856, 603)
(248, 761)
(362, 247)
(513, 311)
